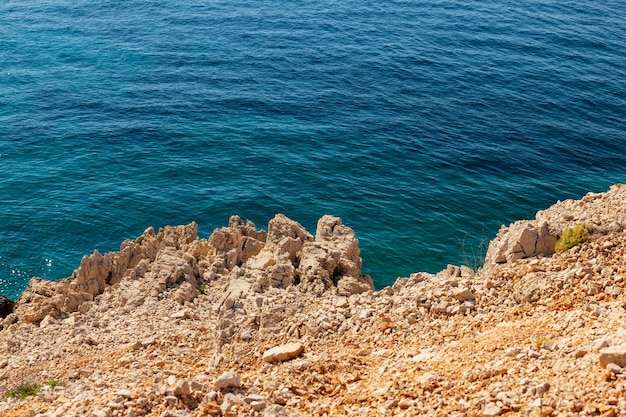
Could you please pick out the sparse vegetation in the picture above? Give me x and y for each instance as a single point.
(24, 390)
(475, 257)
(571, 237)
(202, 288)
(541, 341)
(29, 389)
(54, 383)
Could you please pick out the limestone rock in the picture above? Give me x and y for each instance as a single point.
(491, 410)
(182, 388)
(281, 227)
(229, 401)
(317, 267)
(333, 260)
(332, 232)
(463, 294)
(349, 285)
(283, 352)
(227, 380)
(236, 243)
(275, 411)
(185, 292)
(522, 239)
(613, 354)
(41, 298)
(614, 368)
(134, 260)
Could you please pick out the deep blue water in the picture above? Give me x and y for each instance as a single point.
(421, 124)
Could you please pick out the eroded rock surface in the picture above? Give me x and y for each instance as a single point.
(144, 268)
(174, 325)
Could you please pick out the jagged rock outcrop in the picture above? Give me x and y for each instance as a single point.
(289, 255)
(346, 275)
(250, 259)
(97, 272)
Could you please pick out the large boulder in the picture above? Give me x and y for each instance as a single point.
(522, 239)
(281, 227)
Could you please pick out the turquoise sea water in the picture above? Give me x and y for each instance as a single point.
(424, 125)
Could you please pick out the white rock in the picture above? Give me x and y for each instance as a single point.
(230, 400)
(463, 294)
(613, 354)
(253, 397)
(426, 378)
(504, 398)
(227, 380)
(181, 314)
(491, 410)
(258, 405)
(405, 403)
(126, 393)
(602, 343)
(275, 411)
(540, 389)
(512, 351)
(102, 412)
(614, 368)
(257, 402)
(283, 352)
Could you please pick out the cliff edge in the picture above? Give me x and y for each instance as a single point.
(283, 323)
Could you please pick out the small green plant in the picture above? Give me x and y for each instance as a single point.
(24, 390)
(571, 237)
(475, 257)
(29, 389)
(540, 342)
(54, 383)
(202, 288)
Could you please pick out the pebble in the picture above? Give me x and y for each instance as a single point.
(182, 388)
(283, 352)
(491, 410)
(101, 412)
(580, 353)
(227, 380)
(405, 403)
(512, 351)
(614, 368)
(614, 354)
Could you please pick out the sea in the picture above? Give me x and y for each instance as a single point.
(424, 125)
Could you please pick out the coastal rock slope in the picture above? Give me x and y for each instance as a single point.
(281, 323)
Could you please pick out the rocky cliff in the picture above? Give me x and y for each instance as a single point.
(282, 323)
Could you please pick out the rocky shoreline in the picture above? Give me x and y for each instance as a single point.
(283, 323)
